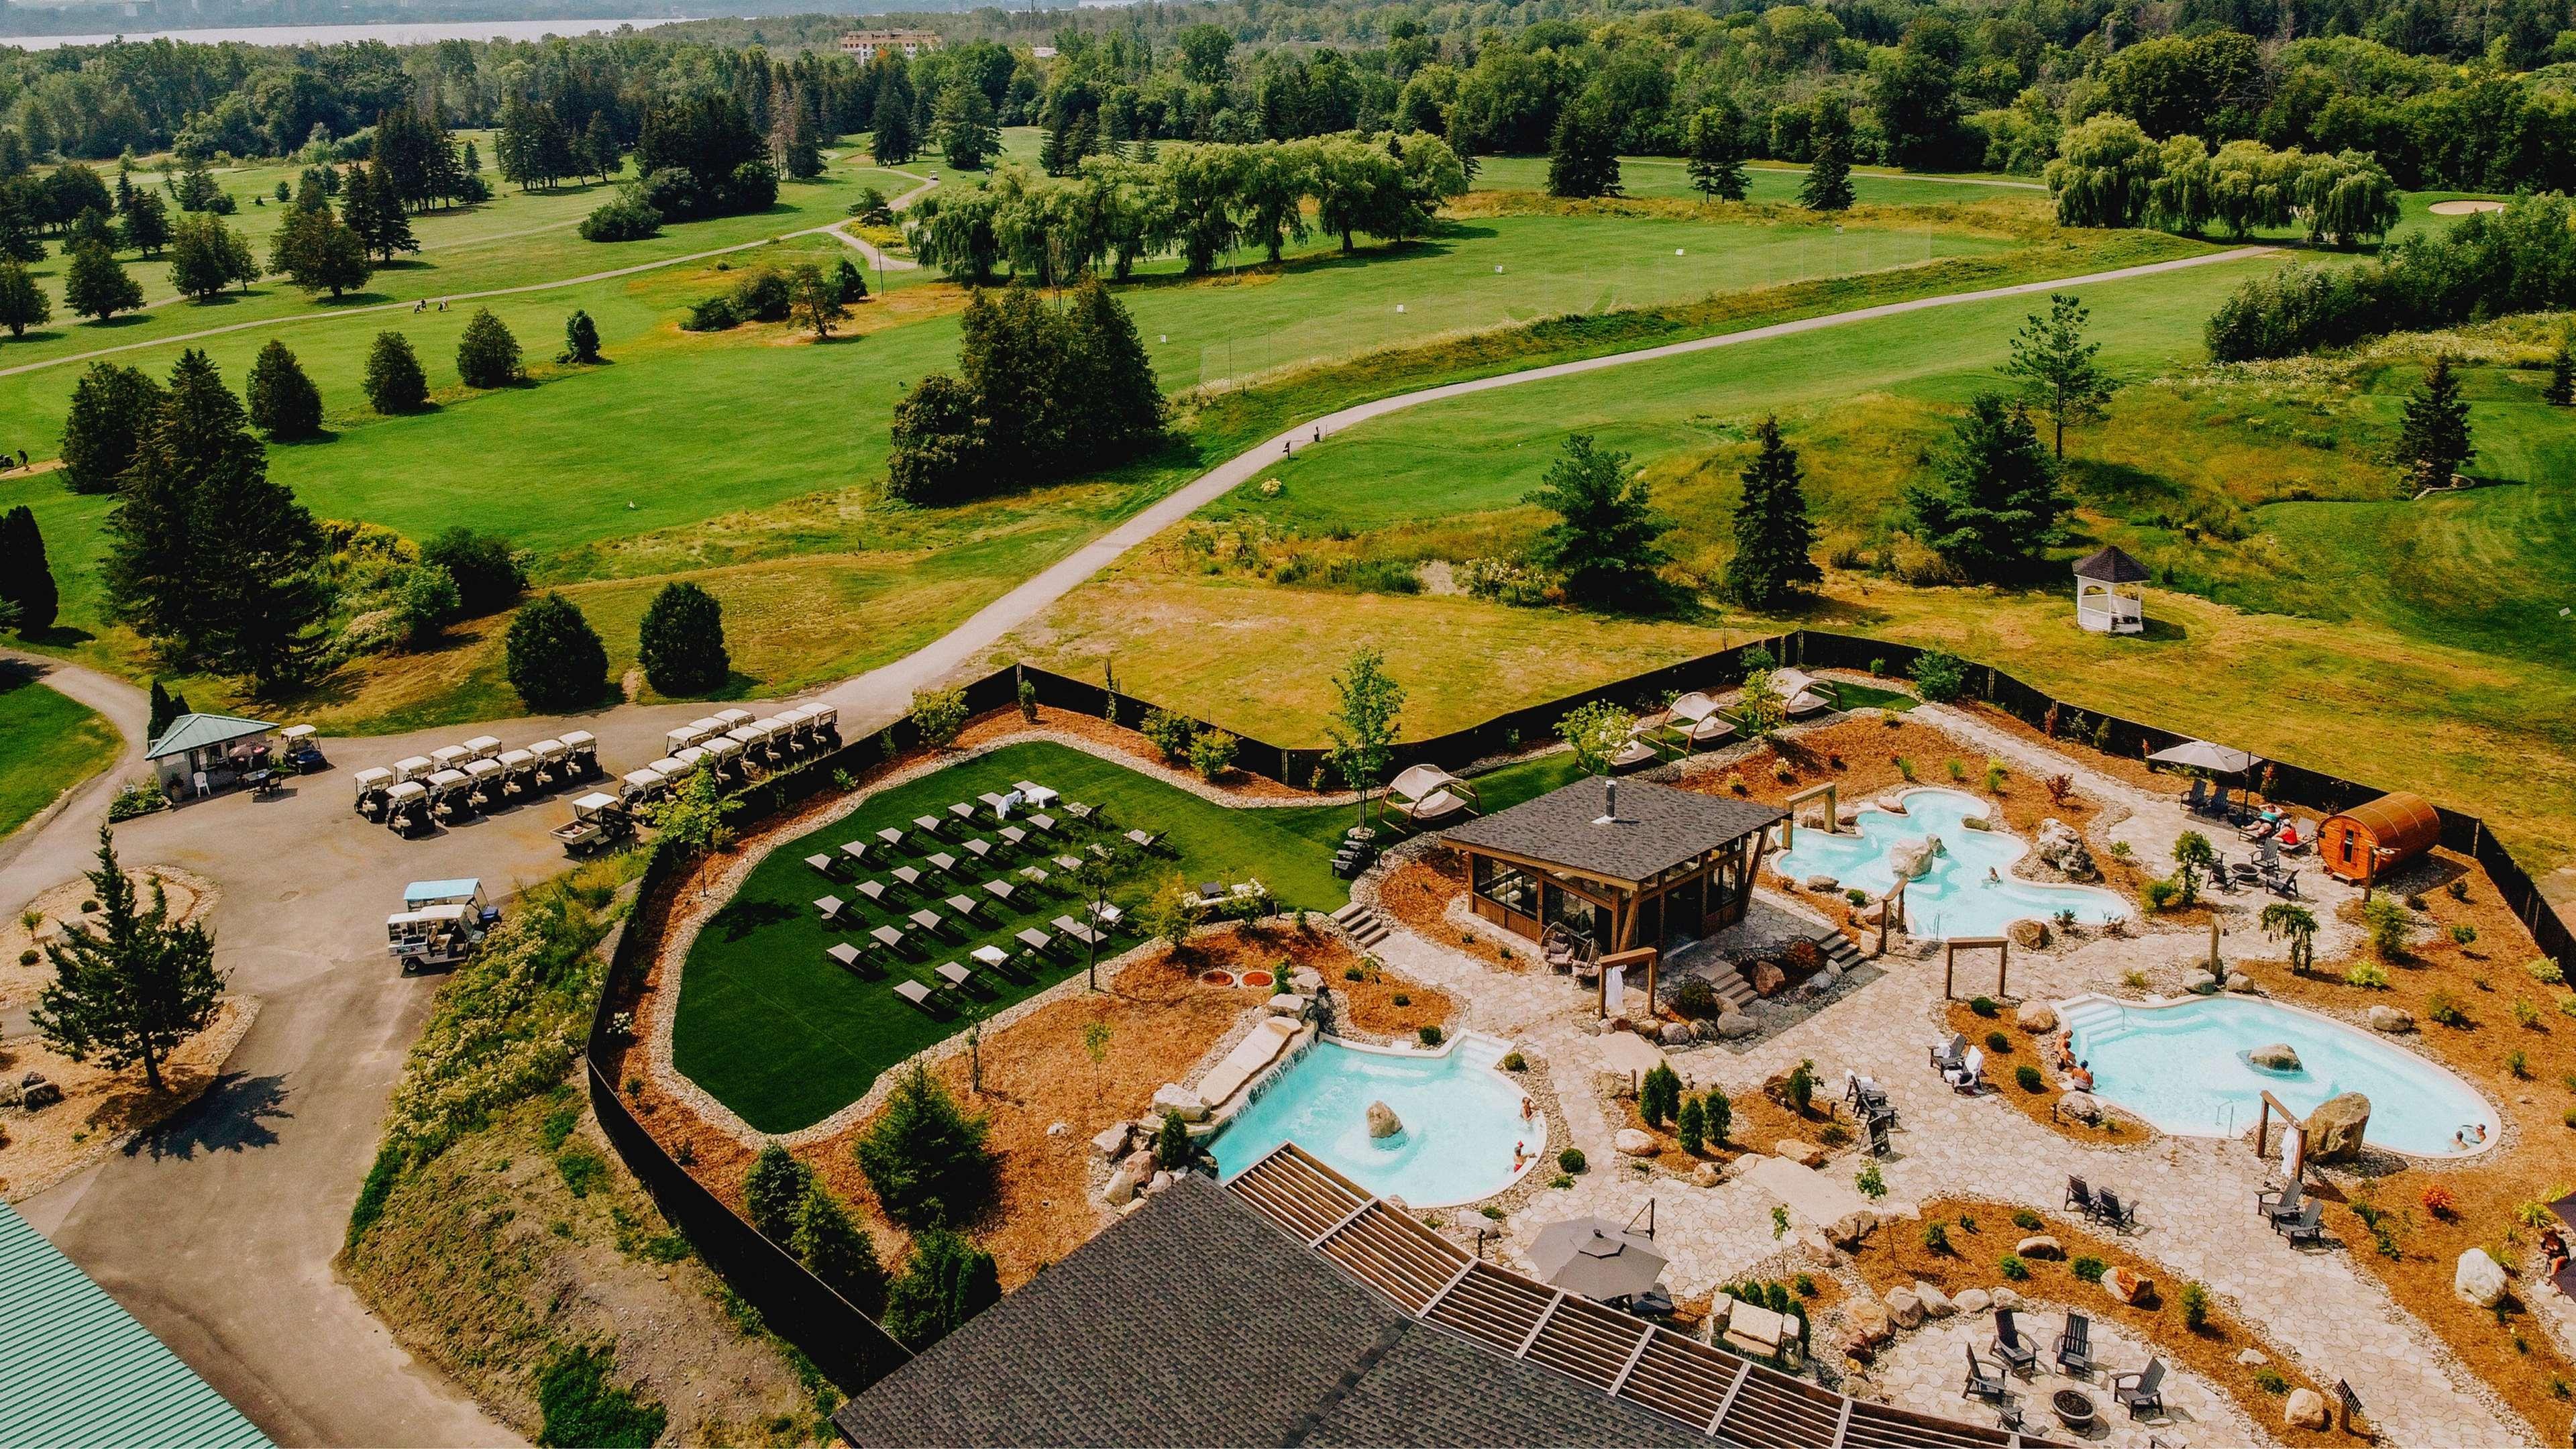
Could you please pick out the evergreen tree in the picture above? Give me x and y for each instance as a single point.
(2056, 367)
(2433, 435)
(379, 220)
(773, 1192)
(167, 706)
(134, 986)
(487, 355)
(26, 579)
(1583, 152)
(1828, 185)
(320, 253)
(554, 658)
(1690, 1128)
(1054, 152)
(1715, 147)
(284, 403)
(206, 257)
(945, 1282)
(1775, 539)
(599, 148)
(95, 284)
(1604, 542)
(92, 226)
(1992, 505)
(146, 224)
(581, 338)
(682, 645)
(896, 140)
(23, 304)
(395, 383)
(489, 574)
(925, 1157)
(838, 1251)
(1118, 403)
(967, 135)
(111, 408)
(851, 282)
(2561, 389)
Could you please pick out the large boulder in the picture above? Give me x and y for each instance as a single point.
(1977, 822)
(2274, 1057)
(1735, 1022)
(1171, 1097)
(1112, 1141)
(1767, 978)
(1805, 1154)
(1904, 1309)
(2334, 1131)
(2126, 1286)
(1934, 1301)
(1676, 1033)
(1122, 1186)
(2030, 932)
(1974, 1300)
(2080, 1106)
(1636, 1143)
(1846, 1232)
(2306, 1409)
(2239, 982)
(2041, 1246)
(1707, 1174)
(2390, 1019)
(1823, 884)
(1908, 859)
(2058, 845)
(1382, 1121)
(1757, 1331)
(1865, 1327)
(2035, 1017)
(2479, 1279)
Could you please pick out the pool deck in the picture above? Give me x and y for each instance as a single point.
(2195, 1195)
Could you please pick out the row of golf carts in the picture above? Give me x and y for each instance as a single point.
(733, 745)
(440, 924)
(456, 781)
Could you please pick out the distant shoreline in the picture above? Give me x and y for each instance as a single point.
(397, 32)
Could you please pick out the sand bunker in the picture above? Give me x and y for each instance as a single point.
(2463, 208)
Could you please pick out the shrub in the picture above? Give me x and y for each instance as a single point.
(427, 599)
(581, 1407)
(1802, 1085)
(2027, 1077)
(945, 1282)
(2525, 1014)
(1430, 1035)
(2089, 1268)
(2270, 1381)
(1402, 998)
(2195, 1307)
(626, 218)
(774, 1191)
(2386, 923)
(712, 314)
(2518, 1064)
(926, 1157)
(488, 572)
(553, 657)
(2439, 1202)
(1695, 997)
(1570, 1160)
(1872, 1183)
(1936, 1236)
(487, 355)
(2059, 787)
(2026, 1220)
(582, 1168)
(1717, 1114)
(1996, 774)
(2544, 971)
(1939, 676)
(762, 295)
(1356, 973)
(142, 797)
(837, 1250)
(1174, 1148)
(1690, 1128)
(939, 714)
(2442, 1008)
(1957, 771)
(2013, 1267)
(681, 644)
(1515, 1062)
(1169, 732)
(1984, 1006)
(2464, 934)
(2365, 974)
(2160, 893)
(1998, 1043)
(1212, 753)
(394, 382)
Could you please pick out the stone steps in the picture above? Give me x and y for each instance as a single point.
(1362, 924)
(1840, 953)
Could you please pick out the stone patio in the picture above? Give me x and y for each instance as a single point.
(1925, 1369)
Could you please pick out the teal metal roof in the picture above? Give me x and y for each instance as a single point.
(77, 1371)
(196, 731)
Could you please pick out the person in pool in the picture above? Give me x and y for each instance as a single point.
(1529, 1109)
(2082, 1076)
(2475, 1134)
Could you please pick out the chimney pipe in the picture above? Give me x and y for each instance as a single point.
(1609, 803)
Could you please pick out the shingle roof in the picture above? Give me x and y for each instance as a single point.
(1658, 827)
(76, 1370)
(1196, 1321)
(2109, 565)
(195, 731)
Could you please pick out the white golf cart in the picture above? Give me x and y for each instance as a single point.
(599, 821)
(582, 748)
(407, 808)
(372, 784)
(440, 923)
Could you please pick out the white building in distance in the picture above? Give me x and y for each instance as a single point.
(865, 46)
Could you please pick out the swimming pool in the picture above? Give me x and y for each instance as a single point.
(1461, 1120)
(2182, 1067)
(1955, 897)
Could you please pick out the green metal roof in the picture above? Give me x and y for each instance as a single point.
(76, 1370)
(196, 731)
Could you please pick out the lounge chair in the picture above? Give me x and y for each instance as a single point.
(2078, 1196)
(955, 975)
(892, 837)
(855, 852)
(2196, 800)
(1000, 890)
(1653, 1303)
(914, 992)
(888, 937)
(2019, 1354)
(1076, 929)
(941, 861)
(1969, 1076)
(2141, 1392)
(1036, 940)
(2280, 1202)
(1034, 875)
(2110, 1212)
(2075, 1346)
(979, 848)
(1067, 862)
(1945, 1055)
(1107, 915)
(824, 866)
(2308, 1227)
(1981, 1384)
(1879, 1142)
(964, 905)
(829, 908)
(1042, 824)
(929, 824)
(874, 890)
(2261, 829)
(990, 955)
(928, 920)
(843, 955)
(962, 810)
(996, 802)
(1145, 839)
(907, 876)
(1013, 836)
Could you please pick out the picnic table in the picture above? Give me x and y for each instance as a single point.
(264, 782)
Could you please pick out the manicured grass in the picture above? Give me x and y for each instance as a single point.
(1656, 176)
(48, 744)
(785, 1037)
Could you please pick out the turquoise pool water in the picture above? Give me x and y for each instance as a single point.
(1955, 897)
(2183, 1068)
(1461, 1121)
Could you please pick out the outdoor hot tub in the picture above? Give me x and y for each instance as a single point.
(1461, 1120)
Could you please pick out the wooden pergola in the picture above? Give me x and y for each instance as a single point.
(1625, 863)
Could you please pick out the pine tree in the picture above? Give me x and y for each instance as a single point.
(1119, 402)
(1993, 504)
(1717, 1116)
(2433, 435)
(395, 383)
(1582, 152)
(926, 1157)
(95, 284)
(967, 135)
(1828, 185)
(553, 657)
(896, 140)
(773, 1192)
(111, 409)
(852, 283)
(581, 338)
(1053, 157)
(92, 226)
(599, 148)
(487, 355)
(132, 987)
(284, 403)
(166, 708)
(379, 220)
(23, 304)
(838, 1251)
(1690, 1129)
(1716, 150)
(2561, 390)
(26, 579)
(1604, 543)
(1775, 539)
(146, 224)
(945, 1282)
(681, 645)
(2056, 367)
(814, 300)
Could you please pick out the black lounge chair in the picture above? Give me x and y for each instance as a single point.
(2280, 1202)
(2142, 1392)
(2078, 1196)
(1981, 1384)
(2075, 1346)
(1946, 1055)
(2110, 1212)
(2308, 1227)
(2018, 1353)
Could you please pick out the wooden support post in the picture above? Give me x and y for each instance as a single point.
(2003, 968)
(1949, 968)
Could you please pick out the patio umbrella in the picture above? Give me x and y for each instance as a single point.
(2565, 1207)
(2202, 755)
(1596, 1258)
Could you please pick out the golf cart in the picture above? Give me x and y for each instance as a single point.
(449, 757)
(518, 773)
(687, 736)
(465, 891)
(484, 779)
(553, 763)
(298, 746)
(372, 785)
(440, 923)
(412, 767)
(826, 722)
(482, 747)
(724, 756)
(598, 823)
(641, 787)
(407, 808)
(582, 750)
(448, 795)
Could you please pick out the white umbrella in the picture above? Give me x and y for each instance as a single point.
(2202, 755)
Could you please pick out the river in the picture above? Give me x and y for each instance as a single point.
(393, 34)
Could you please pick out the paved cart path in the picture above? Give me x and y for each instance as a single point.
(218, 1231)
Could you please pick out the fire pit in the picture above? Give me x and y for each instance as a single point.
(2074, 1410)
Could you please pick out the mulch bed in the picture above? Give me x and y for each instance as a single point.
(1418, 893)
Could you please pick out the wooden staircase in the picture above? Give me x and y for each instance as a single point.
(1362, 924)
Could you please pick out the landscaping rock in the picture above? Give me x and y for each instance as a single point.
(1156, 1183)
(1707, 1174)
(1805, 1154)
(1634, 1142)
(1676, 1033)
(2390, 1019)
(2126, 1286)
(2239, 981)
(1382, 1120)
(1934, 1301)
(2082, 1106)
(1767, 978)
(2041, 1246)
(1736, 1023)
(1758, 1331)
(1846, 815)
(1977, 822)
(1172, 1097)
(2030, 933)
(1307, 981)
(2035, 1017)
(2479, 1279)
(1811, 820)
(1846, 1232)
(1823, 884)
(1974, 1300)
(1139, 1164)
(2306, 1409)
(2274, 1057)
(36, 1092)
(1121, 1188)
(2334, 1131)
(10, 1093)
(1893, 802)
(2058, 845)
(1908, 859)
(2252, 1358)
(1709, 1028)
(1865, 1327)
(1904, 1309)
(1288, 1004)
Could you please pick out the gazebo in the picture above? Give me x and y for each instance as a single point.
(1624, 863)
(2110, 597)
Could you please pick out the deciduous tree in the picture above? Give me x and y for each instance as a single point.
(1367, 704)
(553, 657)
(486, 354)
(23, 304)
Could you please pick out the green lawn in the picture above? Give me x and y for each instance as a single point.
(48, 744)
(1663, 176)
(785, 1037)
